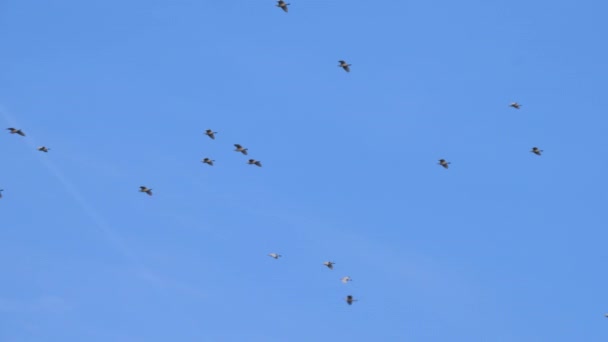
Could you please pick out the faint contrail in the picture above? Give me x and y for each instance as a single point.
(114, 239)
(100, 224)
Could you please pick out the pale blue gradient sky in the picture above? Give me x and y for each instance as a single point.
(503, 246)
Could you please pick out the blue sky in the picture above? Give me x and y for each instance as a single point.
(502, 246)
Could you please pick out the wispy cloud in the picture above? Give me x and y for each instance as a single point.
(113, 238)
(166, 282)
(46, 303)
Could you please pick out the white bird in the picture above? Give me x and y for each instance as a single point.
(346, 279)
(275, 255)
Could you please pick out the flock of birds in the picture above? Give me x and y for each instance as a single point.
(515, 105)
(239, 148)
(211, 134)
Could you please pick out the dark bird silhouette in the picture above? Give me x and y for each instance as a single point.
(536, 151)
(281, 4)
(350, 300)
(241, 149)
(329, 264)
(208, 161)
(515, 105)
(43, 149)
(344, 65)
(444, 163)
(16, 131)
(146, 190)
(254, 162)
(210, 133)
(1, 192)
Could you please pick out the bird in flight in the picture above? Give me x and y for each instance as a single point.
(281, 4)
(329, 264)
(146, 190)
(344, 65)
(208, 161)
(346, 279)
(515, 105)
(275, 255)
(241, 149)
(536, 151)
(16, 131)
(254, 162)
(1, 192)
(444, 163)
(43, 149)
(210, 133)
(350, 300)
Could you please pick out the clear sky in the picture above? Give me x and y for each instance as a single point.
(502, 246)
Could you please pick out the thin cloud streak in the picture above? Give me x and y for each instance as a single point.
(111, 236)
(47, 303)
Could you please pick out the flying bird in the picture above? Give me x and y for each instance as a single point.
(17, 131)
(1, 192)
(346, 279)
(146, 190)
(241, 149)
(43, 149)
(344, 65)
(275, 255)
(254, 162)
(208, 161)
(281, 4)
(329, 264)
(444, 163)
(536, 151)
(350, 300)
(515, 105)
(210, 133)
